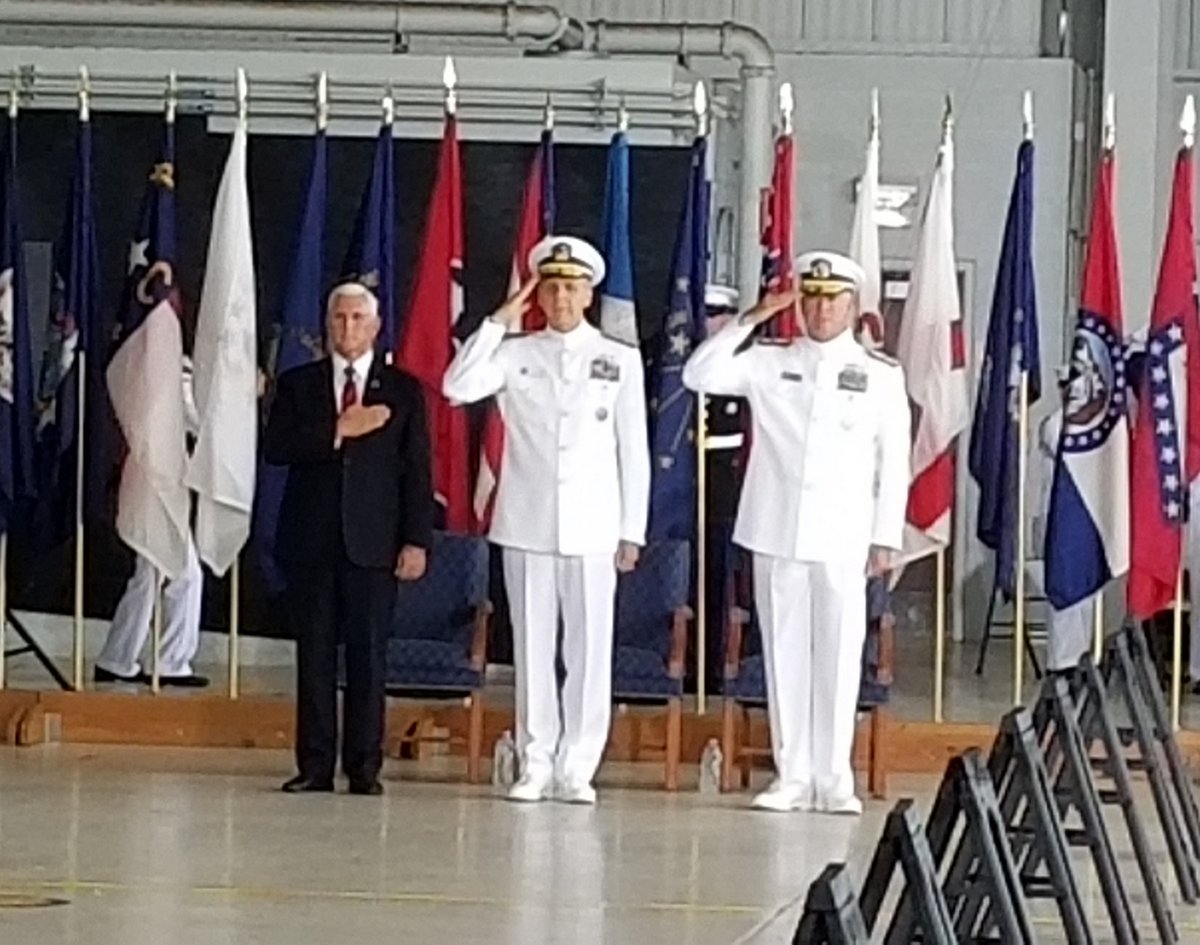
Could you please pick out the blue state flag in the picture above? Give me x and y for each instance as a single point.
(618, 316)
(1012, 350)
(75, 329)
(297, 338)
(371, 258)
(673, 407)
(17, 418)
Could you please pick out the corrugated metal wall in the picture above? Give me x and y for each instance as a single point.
(998, 27)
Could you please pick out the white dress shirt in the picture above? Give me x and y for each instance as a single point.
(361, 364)
(575, 476)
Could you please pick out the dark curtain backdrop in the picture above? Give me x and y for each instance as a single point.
(125, 145)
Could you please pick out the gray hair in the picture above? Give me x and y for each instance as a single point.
(352, 290)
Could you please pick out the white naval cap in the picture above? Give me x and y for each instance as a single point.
(721, 296)
(824, 273)
(567, 257)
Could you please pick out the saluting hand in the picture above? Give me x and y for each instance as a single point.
(360, 420)
(513, 310)
(769, 306)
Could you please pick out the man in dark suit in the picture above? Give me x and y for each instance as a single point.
(356, 515)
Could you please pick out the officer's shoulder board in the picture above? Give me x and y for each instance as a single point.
(880, 356)
(772, 342)
(510, 335)
(621, 341)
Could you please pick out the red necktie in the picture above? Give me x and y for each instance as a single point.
(349, 390)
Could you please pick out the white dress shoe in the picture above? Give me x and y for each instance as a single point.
(577, 793)
(529, 790)
(784, 796)
(847, 804)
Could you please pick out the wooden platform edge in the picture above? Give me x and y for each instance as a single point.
(214, 721)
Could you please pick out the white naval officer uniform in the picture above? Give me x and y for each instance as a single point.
(827, 478)
(182, 597)
(574, 482)
(1068, 631)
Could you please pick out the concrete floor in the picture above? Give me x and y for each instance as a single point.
(190, 847)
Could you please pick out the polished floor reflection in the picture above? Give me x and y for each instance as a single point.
(198, 848)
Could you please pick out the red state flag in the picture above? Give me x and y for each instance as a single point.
(1166, 433)
(426, 346)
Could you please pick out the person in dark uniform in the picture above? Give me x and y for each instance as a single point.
(356, 515)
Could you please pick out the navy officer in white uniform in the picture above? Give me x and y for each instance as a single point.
(571, 505)
(822, 507)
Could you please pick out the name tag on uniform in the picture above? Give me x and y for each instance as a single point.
(852, 379)
(792, 376)
(605, 369)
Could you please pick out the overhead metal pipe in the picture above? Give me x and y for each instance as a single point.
(393, 19)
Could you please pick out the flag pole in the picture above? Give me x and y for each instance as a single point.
(13, 105)
(1177, 650)
(1108, 143)
(235, 613)
(156, 628)
(1022, 473)
(939, 604)
(700, 110)
(81, 381)
(939, 642)
(1187, 124)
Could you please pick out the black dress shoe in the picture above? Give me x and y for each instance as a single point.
(102, 675)
(368, 788)
(191, 681)
(305, 785)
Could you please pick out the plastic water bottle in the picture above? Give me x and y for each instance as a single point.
(710, 768)
(504, 762)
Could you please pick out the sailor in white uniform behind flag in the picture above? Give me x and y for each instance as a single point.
(821, 508)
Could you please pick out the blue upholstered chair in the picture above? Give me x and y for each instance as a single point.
(438, 642)
(744, 681)
(650, 645)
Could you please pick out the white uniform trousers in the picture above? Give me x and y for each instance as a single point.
(181, 620)
(814, 620)
(1069, 634)
(561, 733)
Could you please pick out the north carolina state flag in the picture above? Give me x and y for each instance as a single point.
(427, 344)
(537, 219)
(1166, 434)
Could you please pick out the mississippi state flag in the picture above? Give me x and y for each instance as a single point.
(1164, 461)
(1087, 530)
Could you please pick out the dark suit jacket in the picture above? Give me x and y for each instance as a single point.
(371, 496)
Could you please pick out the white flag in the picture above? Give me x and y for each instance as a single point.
(931, 350)
(864, 246)
(222, 468)
(145, 384)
